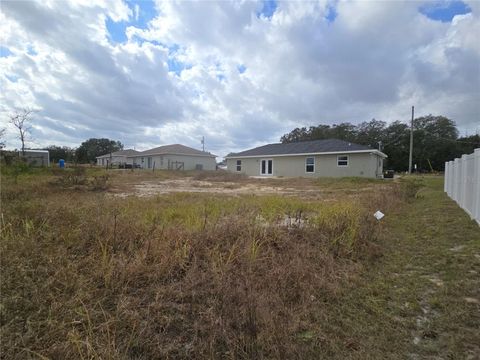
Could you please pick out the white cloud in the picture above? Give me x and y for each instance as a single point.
(375, 60)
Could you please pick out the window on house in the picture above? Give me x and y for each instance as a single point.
(342, 160)
(310, 164)
(239, 165)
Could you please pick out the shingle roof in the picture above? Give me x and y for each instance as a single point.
(127, 152)
(303, 147)
(177, 149)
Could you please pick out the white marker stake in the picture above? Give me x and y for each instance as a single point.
(379, 215)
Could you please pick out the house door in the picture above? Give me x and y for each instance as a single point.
(149, 162)
(266, 167)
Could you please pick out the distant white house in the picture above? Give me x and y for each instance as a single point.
(36, 157)
(174, 157)
(317, 158)
(116, 158)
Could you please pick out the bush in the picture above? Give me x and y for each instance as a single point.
(99, 182)
(410, 187)
(17, 168)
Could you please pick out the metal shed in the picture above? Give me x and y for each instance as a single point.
(36, 157)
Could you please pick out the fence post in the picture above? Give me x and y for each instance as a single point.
(456, 178)
(476, 186)
(463, 182)
(446, 177)
(450, 178)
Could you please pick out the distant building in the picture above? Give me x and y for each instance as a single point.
(36, 157)
(222, 165)
(167, 157)
(317, 158)
(174, 157)
(116, 158)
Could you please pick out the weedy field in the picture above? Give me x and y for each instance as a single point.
(90, 269)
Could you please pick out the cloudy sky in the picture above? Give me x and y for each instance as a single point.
(239, 73)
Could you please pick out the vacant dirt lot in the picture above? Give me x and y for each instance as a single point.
(150, 188)
(235, 186)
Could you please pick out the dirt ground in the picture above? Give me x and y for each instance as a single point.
(250, 186)
(152, 188)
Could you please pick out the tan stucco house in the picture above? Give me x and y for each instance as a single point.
(120, 157)
(317, 158)
(174, 157)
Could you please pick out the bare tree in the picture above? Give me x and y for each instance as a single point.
(21, 121)
(2, 140)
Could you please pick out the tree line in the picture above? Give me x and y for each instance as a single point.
(86, 152)
(435, 140)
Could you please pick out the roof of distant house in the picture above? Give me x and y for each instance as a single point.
(175, 149)
(327, 146)
(127, 152)
(34, 151)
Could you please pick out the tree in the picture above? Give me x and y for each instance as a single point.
(91, 148)
(344, 131)
(467, 144)
(20, 119)
(434, 142)
(396, 140)
(2, 140)
(61, 152)
(297, 134)
(370, 133)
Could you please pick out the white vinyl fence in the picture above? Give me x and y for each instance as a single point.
(462, 183)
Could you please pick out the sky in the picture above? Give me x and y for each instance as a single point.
(239, 73)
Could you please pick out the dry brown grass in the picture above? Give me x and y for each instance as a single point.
(85, 275)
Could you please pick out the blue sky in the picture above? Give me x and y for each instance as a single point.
(239, 73)
(4, 51)
(444, 10)
(146, 12)
(268, 7)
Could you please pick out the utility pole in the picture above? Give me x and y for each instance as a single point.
(411, 143)
(203, 143)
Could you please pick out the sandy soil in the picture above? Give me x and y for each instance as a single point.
(152, 188)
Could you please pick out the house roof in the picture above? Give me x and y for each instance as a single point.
(175, 149)
(306, 147)
(34, 151)
(127, 152)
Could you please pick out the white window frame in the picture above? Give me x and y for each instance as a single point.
(310, 172)
(266, 167)
(237, 165)
(342, 156)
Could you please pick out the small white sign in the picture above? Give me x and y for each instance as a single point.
(379, 215)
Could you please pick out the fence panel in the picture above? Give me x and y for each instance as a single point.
(462, 183)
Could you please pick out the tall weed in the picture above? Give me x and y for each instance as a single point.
(85, 275)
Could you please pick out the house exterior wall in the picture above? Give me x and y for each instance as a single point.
(173, 162)
(114, 160)
(359, 164)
